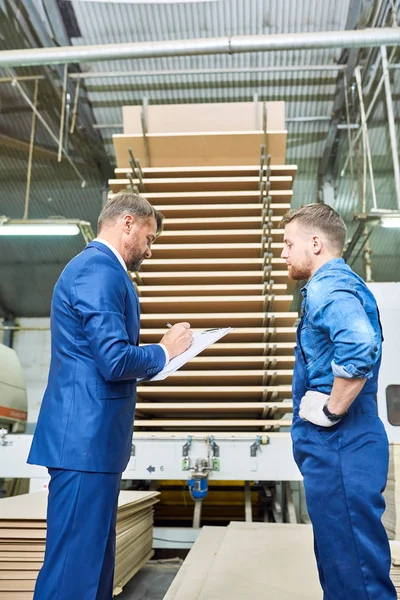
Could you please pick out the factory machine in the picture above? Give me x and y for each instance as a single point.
(196, 462)
(214, 437)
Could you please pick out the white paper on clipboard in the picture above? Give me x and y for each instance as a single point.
(201, 341)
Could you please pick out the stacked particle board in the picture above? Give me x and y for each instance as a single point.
(249, 560)
(217, 264)
(23, 535)
(201, 134)
(395, 570)
(391, 516)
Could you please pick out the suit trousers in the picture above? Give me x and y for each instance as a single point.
(80, 546)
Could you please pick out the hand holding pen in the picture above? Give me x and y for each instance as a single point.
(169, 325)
(177, 339)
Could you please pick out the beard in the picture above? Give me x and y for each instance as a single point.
(135, 256)
(301, 271)
(134, 262)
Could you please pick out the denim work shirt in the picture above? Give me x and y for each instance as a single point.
(340, 331)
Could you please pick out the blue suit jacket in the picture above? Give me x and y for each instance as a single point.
(86, 418)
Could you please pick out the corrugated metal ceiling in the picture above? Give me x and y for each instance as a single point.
(56, 190)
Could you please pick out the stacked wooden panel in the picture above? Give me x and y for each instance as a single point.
(395, 570)
(23, 535)
(249, 560)
(391, 516)
(218, 265)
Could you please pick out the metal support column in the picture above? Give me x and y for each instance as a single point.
(291, 511)
(198, 505)
(392, 127)
(247, 502)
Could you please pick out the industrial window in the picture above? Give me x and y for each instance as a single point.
(393, 404)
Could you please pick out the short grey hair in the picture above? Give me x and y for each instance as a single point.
(129, 203)
(322, 217)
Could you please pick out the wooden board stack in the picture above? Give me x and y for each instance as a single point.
(395, 570)
(249, 560)
(217, 264)
(391, 516)
(23, 535)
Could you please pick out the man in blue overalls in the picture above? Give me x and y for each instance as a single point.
(339, 442)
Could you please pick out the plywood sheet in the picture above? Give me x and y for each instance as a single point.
(249, 197)
(215, 171)
(203, 184)
(238, 289)
(229, 236)
(231, 376)
(218, 223)
(263, 568)
(240, 362)
(20, 561)
(211, 320)
(240, 335)
(224, 116)
(16, 595)
(257, 560)
(34, 506)
(191, 576)
(209, 210)
(187, 149)
(211, 424)
(250, 250)
(272, 348)
(217, 304)
(215, 392)
(203, 264)
(20, 565)
(213, 408)
(244, 278)
(278, 197)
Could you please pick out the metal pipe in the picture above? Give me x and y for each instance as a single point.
(358, 38)
(170, 73)
(227, 71)
(22, 78)
(188, 72)
(392, 127)
(308, 119)
(290, 120)
(22, 328)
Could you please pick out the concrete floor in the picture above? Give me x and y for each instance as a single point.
(151, 582)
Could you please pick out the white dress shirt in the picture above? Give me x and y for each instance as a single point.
(121, 260)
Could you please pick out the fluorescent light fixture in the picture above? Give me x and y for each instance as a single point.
(39, 229)
(48, 227)
(391, 221)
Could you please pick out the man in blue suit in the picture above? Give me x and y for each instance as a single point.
(84, 430)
